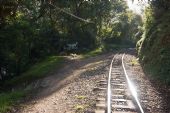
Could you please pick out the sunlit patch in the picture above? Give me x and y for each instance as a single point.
(137, 6)
(132, 87)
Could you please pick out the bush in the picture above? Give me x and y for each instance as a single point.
(153, 48)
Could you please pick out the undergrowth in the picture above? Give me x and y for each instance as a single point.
(154, 48)
(39, 70)
(8, 99)
(103, 49)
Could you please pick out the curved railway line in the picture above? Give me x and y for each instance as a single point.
(117, 94)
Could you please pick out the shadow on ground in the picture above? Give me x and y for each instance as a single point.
(71, 70)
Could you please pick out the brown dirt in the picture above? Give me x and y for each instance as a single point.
(70, 89)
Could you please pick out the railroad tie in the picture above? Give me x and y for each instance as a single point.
(120, 98)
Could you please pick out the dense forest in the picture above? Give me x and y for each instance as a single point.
(36, 34)
(30, 30)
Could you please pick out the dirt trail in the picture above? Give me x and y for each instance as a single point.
(71, 89)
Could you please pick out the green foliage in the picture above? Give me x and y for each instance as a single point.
(38, 70)
(93, 53)
(134, 62)
(106, 47)
(33, 30)
(148, 18)
(160, 5)
(153, 48)
(125, 27)
(38, 29)
(8, 99)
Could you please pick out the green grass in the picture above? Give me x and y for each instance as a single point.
(9, 99)
(93, 53)
(37, 71)
(134, 62)
(80, 97)
(80, 108)
(104, 48)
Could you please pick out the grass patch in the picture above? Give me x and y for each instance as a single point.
(80, 107)
(134, 62)
(9, 99)
(80, 97)
(104, 48)
(37, 71)
(93, 53)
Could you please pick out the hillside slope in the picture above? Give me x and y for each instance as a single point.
(154, 47)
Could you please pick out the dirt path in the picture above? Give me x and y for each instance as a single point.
(71, 89)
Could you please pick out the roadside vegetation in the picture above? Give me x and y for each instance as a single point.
(92, 53)
(36, 34)
(38, 70)
(154, 45)
(10, 96)
(104, 49)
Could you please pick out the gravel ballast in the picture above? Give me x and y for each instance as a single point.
(71, 89)
(151, 92)
(74, 93)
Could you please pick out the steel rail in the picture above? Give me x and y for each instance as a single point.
(109, 93)
(131, 87)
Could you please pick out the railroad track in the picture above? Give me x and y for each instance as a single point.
(116, 93)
